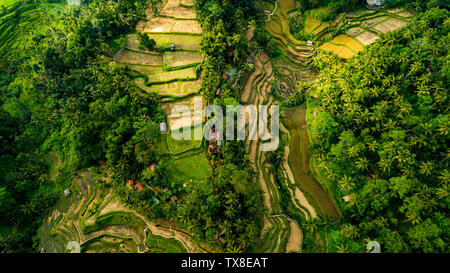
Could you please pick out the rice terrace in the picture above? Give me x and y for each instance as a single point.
(89, 100)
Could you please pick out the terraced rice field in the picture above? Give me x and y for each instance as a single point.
(189, 165)
(174, 9)
(279, 231)
(281, 234)
(174, 89)
(99, 222)
(181, 41)
(169, 25)
(177, 147)
(298, 161)
(177, 121)
(19, 21)
(143, 58)
(362, 28)
(181, 59)
(295, 52)
(170, 73)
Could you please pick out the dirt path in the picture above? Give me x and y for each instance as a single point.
(295, 239)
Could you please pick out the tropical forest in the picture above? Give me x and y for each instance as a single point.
(94, 95)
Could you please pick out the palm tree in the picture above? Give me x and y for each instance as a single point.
(3, 240)
(326, 221)
(445, 177)
(385, 165)
(362, 163)
(311, 226)
(229, 212)
(346, 183)
(372, 146)
(350, 231)
(343, 249)
(426, 168)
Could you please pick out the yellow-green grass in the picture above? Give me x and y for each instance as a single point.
(109, 243)
(348, 41)
(191, 167)
(275, 237)
(286, 5)
(320, 28)
(180, 146)
(115, 218)
(181, 41)
(175, 89)
(146, 69)
(311, 23)
(7, 3)
(278, 26)
(341, 51)
(366, 37)
(19, 21)
(159, 244)
(155, 75)
(133, 57)
(180, 59)
(389, 25)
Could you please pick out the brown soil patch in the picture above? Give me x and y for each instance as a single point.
(294, 243)
(405, 14)
(128, 56)
(187, 26)
(173, 9)
(159, 24)
(354, 31)
(390, 25)
(366, 38)
(374, 21)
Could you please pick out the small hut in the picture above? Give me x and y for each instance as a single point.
(139, 187)
(310, 42)
(174, 198)
(163, 127)
(67, 192)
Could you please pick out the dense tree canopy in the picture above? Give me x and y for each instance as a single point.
(382, 133)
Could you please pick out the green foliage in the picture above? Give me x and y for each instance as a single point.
(61, 93)
(381, 135)
(224, 208)
(145, 42)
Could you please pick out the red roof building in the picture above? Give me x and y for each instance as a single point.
(139, 187)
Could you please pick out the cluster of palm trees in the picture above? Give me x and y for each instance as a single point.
(391, 108)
